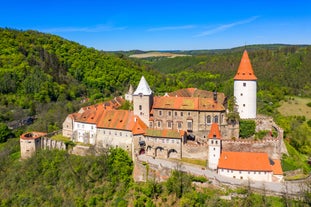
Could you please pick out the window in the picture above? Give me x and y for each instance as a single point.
(227, 171)
(240, 172)
(179, 125)
(175, 113)
(241, 177)
(173, 141)
(150, 124)
(208, 119)
(189, 114)
(120, 133)
(170, 113)
(181, 113)
(140, 107)
(160, 113)
(214, 148)
(177, 142)
(222, 170)
(189, 125)
(243, 105)
(216, 142)
(91, 127)
(244, 84)
(216, 119)
(159, 123)
(212, 142)
(241, 94)
(169, 124)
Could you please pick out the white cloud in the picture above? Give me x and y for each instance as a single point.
(98, 28)
(171, 28)
(226, 26)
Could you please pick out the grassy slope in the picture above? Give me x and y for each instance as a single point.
(296, 106)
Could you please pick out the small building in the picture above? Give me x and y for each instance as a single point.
(30, 142)
(245, 166)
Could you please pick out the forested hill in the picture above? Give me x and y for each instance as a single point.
(287, 67)
(45, 68)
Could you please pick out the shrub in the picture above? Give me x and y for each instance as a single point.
(309, 104)
(247, 128)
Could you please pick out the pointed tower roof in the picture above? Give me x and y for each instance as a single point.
(214, 132)
(245, 70)
(143, 87)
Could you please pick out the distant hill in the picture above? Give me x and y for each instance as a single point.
(157, 54)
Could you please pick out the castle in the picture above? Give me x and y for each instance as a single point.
(184, 123)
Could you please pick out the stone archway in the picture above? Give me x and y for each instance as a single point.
(142, 151)
(149, 150)
(172, 153)
(159, 152)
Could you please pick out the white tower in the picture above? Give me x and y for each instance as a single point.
(245, 89)
(143, 100)
(214, 146)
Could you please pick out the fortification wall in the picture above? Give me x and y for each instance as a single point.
(194, 150)
(48, 143)
(270, 146)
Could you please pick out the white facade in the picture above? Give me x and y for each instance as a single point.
(214, 150)
(245, 92)
(115, 138)
(247, 175)
(84, 132)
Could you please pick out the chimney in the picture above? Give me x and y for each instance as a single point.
(215, 96)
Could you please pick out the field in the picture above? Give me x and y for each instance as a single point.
(157, 54)
(296, 106)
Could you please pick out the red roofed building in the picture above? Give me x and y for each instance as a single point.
(245, 165)
(241, 165)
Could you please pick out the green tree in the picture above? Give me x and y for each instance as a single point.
(5, 132)
(247, 128)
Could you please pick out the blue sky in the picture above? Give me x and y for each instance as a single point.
(163, 24)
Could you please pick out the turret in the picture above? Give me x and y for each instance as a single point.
(214, 146)
(143, 100)
(245, 89)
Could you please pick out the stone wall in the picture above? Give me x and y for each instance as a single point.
(48, 143)
(194, 150)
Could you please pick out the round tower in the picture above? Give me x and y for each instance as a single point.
(143, 100)
(214, 146)
(245, 89)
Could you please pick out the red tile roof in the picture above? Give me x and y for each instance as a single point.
(32, 135)
(194, 92)
(245, 70)
(277, 168)
(139, 126)
(186, 103)
(165, 133)
(122, 120)
(244, 161)
(90, 114)
(214, 132)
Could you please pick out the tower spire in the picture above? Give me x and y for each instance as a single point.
(245, 70)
